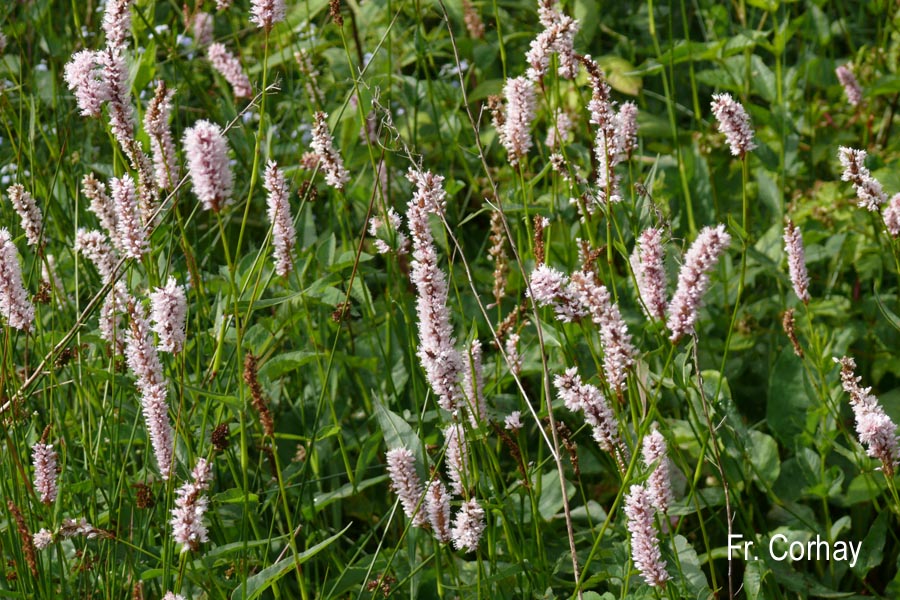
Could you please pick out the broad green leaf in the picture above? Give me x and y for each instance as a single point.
(693, 577)
(764, 456)
(257, 584)
(621, 74)
(284, 363)
(872, 551)
(397, 433)
(788, 403)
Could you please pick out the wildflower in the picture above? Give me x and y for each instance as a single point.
(229, 67)
(223, 4)
(497, 251)
(279, 211)
(101, 205)
(388, 229)
(468, 526)
(874, 427)
(626, 128)
(143, 360)
(114, 305)
(891, 215)
(42, 539)
(443, 364)
(129, 231)
(557, 37)
(44, 459)
(29, 214)
(512, 353)
(793, 245)
(310, 76)
(168, 310)
(266, 13)
(93, 245)
(650, 273)
(659, 486)
(256, 395)
(561, 133)
(474, 24)
(156, 124)
(550, 287)
(456, 457)
(513, 421)
(14, 303)
(84, 75)
(693, 279)
(117, 23)
(579, 396)
(644, 542)
(202, 27)
(437, 505)
(121, 112)
(734, 122)
(172, 596)
(870, 194)
(851, 85)
(401, 465)
(329, 159)
(606, 142)
(618, 351)
(190, 507)
(473, 384)
(207, 158)
(520, 107)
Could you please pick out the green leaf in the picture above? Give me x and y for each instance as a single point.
(551, 495)
(277, 366)
(694, 578)
(764, 456)
(257, 584)
(871, 553)
(397, 433)
(621, 75)
(788, 403)
(753, 576)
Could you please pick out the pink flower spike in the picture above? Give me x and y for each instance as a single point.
(14, 303)
(168, 312)
(29, 214)
(207, 158)
(266, 13)
(284, 236)
(330, 160)
(229, 67)
(401, 466)
(644, 542)
(793, 245)
(84, 75)
(129, 230)
(851, 85)
(734, 122)
(191, 505)
(468, 526)
(521, 105)
(117, 23)
(650, 273)
(44, 459)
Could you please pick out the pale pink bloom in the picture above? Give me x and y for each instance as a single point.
(171, 596)
(550, 287)
(401, 466)
(207, 157)
(618, 351)
(442, 362)
(101, 205)
(168, 313)
(457, 458)
(141, 353)
(202, 27)
(117, 22)
(437, 505)
(229, 67)
(793, 245)
(93, 245)
(851, 86)
(473, 384)
(387, 232)
(29, 214)
(562, 132)
(84, 75)
(512, 353)
(655, 454)
(693, 279)
(520, 108)
(558, 37)
(577, 395)
(266, 13)
(122, 121)
(156, 417)
(606, 140)
(870, 194)
(223, 4)
(156, 124)
(329, 158)
(284, 236)
(626, 128)
(310, 76)
(874, 427)
(70, 528)
(44, 460)
(110, 323)
(468, 526)
(129, 230)
(42, 539)
(650, 273)
(734, 122)
(14, 303)
(891, 216)
(190, 507)
(644, 542)
(513, 421)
